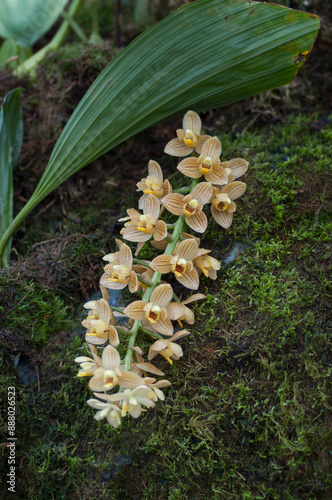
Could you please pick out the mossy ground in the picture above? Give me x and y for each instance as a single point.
(248, 413)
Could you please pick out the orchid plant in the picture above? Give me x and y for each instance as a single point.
(127, 386)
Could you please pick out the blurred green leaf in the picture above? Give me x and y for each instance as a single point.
(206, 54)
(11, 135)
(27, 20)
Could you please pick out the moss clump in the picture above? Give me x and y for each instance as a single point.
(247, 414)
(31, 311)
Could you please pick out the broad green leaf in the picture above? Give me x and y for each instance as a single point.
(11, 134)
(206, 54)
(27, 20)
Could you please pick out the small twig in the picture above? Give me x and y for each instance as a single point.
(16, 305)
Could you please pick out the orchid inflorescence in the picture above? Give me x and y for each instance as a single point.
(124, 386)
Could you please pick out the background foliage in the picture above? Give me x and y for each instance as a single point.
(248, 414)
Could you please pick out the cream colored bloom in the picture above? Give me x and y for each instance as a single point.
(131, 401)
(223, 206)
(180, 312)
(153, 184)
(191, 205)
(156, 386)
(112, 412)
(154, 313)
(207, 164)
(189, 138)
(100, 323)
(168, 348)
(88, 365)
(111, 374)
(142, 227)
(119, 273)
(180, 263)
(206, 264)
(234, 168)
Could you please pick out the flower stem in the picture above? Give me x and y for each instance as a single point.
(152, 334)
(141, 262)
(178, 229)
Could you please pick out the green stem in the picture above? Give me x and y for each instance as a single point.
(183, 190)
(95, 33)
(30, 64)
(152, 334)
(178, 229)
(74, 26)
(141, 262)
(144, 282)
(117, 309)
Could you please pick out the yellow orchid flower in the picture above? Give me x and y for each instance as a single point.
(100, 323)
(191, 205)
(180, 263)
(154, 184)
(168, 348)
(119, 273)
(154, 313)
(142, 227)
(207, 164)
(189, 138)
(223, 206)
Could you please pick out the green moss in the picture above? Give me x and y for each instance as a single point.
(32, 311)
(247, 413)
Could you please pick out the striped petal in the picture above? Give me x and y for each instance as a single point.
(151, 206)
(187, 249)
(163, 325)
(150, 368)
(161, 264)
(126, 258)
(110, 358)
(112, 285)
(175, 147)
(175, 310)
(162, 295)
(196, 296)
(177, 349)
(180, 134)
(192, 121)
(167, 187)
(135, 310)
(189, 279)
(198, 222)
(224, 219)
(104, 311)
(160, 231)
(132, 234)
(190, 168)
(133, 282)
(174, 203)
(113, 336)
(179, 335)
(238, 166)
(212, 148)
(235, 189)
(232, 207)
(218, 175)
(130, 380)
(202, 193)
(155, 170)
(97, 383)
(201, 141)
